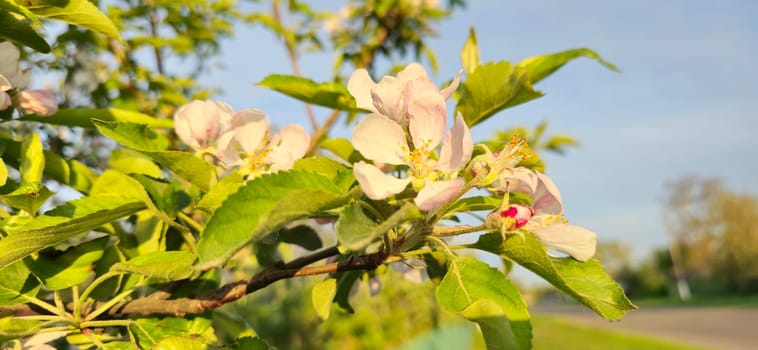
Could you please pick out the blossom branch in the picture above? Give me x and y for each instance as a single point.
(235, 290)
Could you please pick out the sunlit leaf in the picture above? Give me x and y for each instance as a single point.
(322, 296)
(470, 53)
(32, 159)
(19, 29)
(61, 223)
(586, 281)
(330, 95)
(470, 285)
(83, 117)
(16, 283)
(355, 230)
(78, 12)
(262, 206)
(169, 265)
(59, 270)
(541, 66)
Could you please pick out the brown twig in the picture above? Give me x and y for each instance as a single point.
(233, 291)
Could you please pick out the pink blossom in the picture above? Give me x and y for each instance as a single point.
(249, 144)
(39, 102)
(406, 108)
(11, 76)
(199, 124)
(544, 218)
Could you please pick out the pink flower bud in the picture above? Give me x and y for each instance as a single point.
(519, 213)
(41, 102)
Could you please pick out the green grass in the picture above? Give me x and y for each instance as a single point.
(552, 332)
(749, 301)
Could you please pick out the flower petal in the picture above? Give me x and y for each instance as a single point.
(226, 149)
(387, 96)
(287, 146)
(573, 240)
(381, 139)
(376, 184)
(205, 121)
(360, 85)
(427, 115)
(450, 89)
(251, 127)
(456, 148)
(547, 198)
(436, 193)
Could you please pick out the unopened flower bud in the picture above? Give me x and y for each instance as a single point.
(40, 102)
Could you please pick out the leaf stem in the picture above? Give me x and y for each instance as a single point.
(88, 290)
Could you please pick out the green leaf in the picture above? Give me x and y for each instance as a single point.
(15, 328)
(60, 270)
(133, 162)
(28, 197)
(343, 148)
(32, 159)
(72, 173)
(302, 235)
(355, 231)
(169, 265)
(491, 88)
(220, 192)
(474, 204)
(469, 281)
(262, 206)
(322, 296)
(150, 331)
(83, 117)
(329, 94)
(338, 172)
(78, 12)
(18, 29)
(539, 67)
(17, 284)
(470, 53)
(495, 327)
(345, 282)
(142, 138)
(61, 223)
(180, 343)
(586, 281)
(248, 343)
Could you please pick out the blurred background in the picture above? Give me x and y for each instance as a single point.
(659, 159)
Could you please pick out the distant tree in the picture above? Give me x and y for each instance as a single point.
(714, 234)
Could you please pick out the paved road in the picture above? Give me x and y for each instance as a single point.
(708, 327)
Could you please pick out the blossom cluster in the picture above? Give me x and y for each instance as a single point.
(239, 139)
(408, 150)
(13, 81)
(407, 124)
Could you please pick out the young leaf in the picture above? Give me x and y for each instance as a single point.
(61, 223)
(133, 162)
(220, 192)
(142, 138)
(168, 265)
(470, 53)
(83, 117)
(322, 296)
(474, 203)
(356, 231)
(61, 270)
(78, 12)
(343, 148)
(491, 88)
(150, 331)
(587, 281)
(18, 29)
(470, 285)
(496, 328)
(16, 283)
(262, 206)
(32, 159)
(539, 67)
(330, 94)
(3, 173)
(28, 197)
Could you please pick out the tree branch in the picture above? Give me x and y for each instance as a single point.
(235, 290)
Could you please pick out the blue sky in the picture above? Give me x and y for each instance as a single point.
(684, 104)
